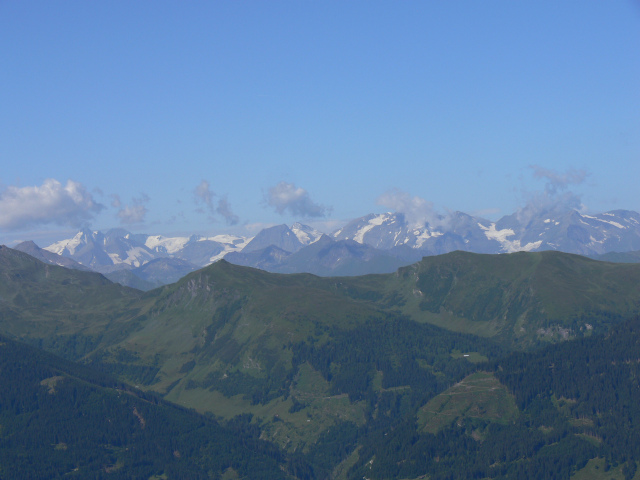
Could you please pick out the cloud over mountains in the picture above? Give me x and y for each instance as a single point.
(417, 211)
(131, 214)
(287, 198)
(556, 196)
(51, 202)
(204, 195)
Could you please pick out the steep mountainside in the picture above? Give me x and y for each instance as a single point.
(325, 257)
(48, 257)
(232, 340)
(383, 237)
(288, 239)
(519, 299)
(57, 305)
(324, 365)
(566, 411)
(619, 257)
(64, 420)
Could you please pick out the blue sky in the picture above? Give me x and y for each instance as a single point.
(210, 117)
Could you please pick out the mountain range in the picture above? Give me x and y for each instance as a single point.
(376, 243)
(462, 365)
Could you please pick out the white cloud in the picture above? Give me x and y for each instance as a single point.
(417, 211)
(557, 181)
(50, 203)
(131, 214)
(134, 213)
(224, 209)
(115, 202)
(286, 197)
(555, 198)
(204, 194)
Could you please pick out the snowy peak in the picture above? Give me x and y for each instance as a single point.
(574, 232)
(45, 256)
(568, 231)
(391, 230)
(165, 245)
(70, 246)
(306, 234)
(118, 248)
(382, 231)
(279, 236)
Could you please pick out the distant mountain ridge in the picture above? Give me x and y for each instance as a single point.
(570, 232)
(387, 241)
(45, 256)
(95, 249)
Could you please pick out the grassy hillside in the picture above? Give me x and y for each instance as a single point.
(63, 420)
(231, 340)
(326, 366)
(478, 396)
(566, 410)
(65, 310)
(520, 299)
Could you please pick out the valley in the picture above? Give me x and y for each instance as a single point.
(331, 369)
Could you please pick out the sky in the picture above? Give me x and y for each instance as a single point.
(198, 117)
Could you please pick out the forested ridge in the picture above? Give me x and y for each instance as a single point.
(59, 419)
(577, 401)
(297, 376)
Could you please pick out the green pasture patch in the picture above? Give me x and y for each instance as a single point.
(479, 395)
(473, 357)
(340, 471)
(289, 429)
(595, 470)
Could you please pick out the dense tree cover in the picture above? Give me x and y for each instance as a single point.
(475, 449)
(403, 352)
(59, 419)
(596, 380)
(393, 364)
(577, 400)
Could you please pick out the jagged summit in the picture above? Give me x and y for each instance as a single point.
(391, 240)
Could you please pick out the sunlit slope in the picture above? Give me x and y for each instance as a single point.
(228, 322)
(221, 310)
(291, 349)
(519, 299)
(315, 358)
(566, 409)
(68, 310)
(61, 419)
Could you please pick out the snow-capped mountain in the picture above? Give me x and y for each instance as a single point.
(569, 231)
(389, 231)
(119, 249)
(288, 239)
(324, 257)
(390, 241)
(573, 232)
(306, 234)
(45, 256)
(95, 249)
